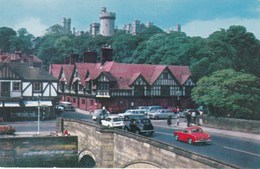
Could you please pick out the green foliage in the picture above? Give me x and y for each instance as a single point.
(6, 36)
(229, 93)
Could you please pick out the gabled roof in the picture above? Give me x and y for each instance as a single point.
(55, 69)
(125, 74)
(181, 73)
(29, 73)
(68, 72)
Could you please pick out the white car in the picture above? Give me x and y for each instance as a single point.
(100, 113)
(65, 106)
(113, 122)
(162, 114)
(131, 113)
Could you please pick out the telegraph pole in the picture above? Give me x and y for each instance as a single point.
(39, 106)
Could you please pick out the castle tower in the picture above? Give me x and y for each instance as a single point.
(107, 22)
(67, 25)
(136, 27)
(94, 29)
(178, 28)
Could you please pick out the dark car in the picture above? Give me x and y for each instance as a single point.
(140, 125)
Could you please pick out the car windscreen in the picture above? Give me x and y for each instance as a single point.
(145, 121)
(117, 119)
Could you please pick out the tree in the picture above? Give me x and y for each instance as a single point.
(23, 42)
(6, 34)
(229, 93)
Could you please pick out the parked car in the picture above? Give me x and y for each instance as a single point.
(130, 113)
(182, 114)
(6, 129)
(100, 113)
(192, 135)
(113, 121)
(152, 108)
(65, 106)
(142, 107)
(140, 125)
(161, 114)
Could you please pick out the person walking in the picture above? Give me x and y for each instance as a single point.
(169, 120)
(188, 117)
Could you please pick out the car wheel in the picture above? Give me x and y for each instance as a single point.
(176, 137)
(126, 118)
(156, 118)
(151, 133)
(190, 141)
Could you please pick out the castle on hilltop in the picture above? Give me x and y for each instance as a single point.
(106, 26)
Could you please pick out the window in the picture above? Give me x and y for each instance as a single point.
(139, 90)
(37, 86)
(165, 90)
(83, 101)
(16, 86)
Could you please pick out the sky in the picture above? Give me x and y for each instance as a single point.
(196, 17)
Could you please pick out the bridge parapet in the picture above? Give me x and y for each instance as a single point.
(111, 148)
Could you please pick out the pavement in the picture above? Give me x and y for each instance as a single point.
(182, 125)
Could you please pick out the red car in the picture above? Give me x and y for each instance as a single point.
(6, 129)
(192, 135)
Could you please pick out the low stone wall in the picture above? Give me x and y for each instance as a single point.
(37, 151)
(111, 148)
(251, 126)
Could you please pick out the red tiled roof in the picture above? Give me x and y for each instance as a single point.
(68, 72)
(124, 74)
(55, 69)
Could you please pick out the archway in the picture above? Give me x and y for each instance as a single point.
(87, 162)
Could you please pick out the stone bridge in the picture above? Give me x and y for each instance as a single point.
(111, 148)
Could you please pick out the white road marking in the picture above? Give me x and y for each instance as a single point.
(242, 151)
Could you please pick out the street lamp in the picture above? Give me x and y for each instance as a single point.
(39, 106)
(178, 98)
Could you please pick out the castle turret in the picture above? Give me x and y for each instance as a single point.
(107, 22)
(94, 29)
(67, 25)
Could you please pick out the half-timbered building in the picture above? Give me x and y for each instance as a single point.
(23, 88)
(119, 86)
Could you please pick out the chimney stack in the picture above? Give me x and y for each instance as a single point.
(74, 58)
(106, 54)
(90, 57)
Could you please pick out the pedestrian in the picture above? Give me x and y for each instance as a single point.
(193, 115)
(169, 120)
(188, 117)
(178, 119)
(133, 125)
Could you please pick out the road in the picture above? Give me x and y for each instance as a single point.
(239, 152)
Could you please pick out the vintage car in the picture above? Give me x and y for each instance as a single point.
(100, 113)
(192, 135)
(6, 129)
(65, 106)
(113, 121)
(162, 114)
(140, 124)
(130, 113)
